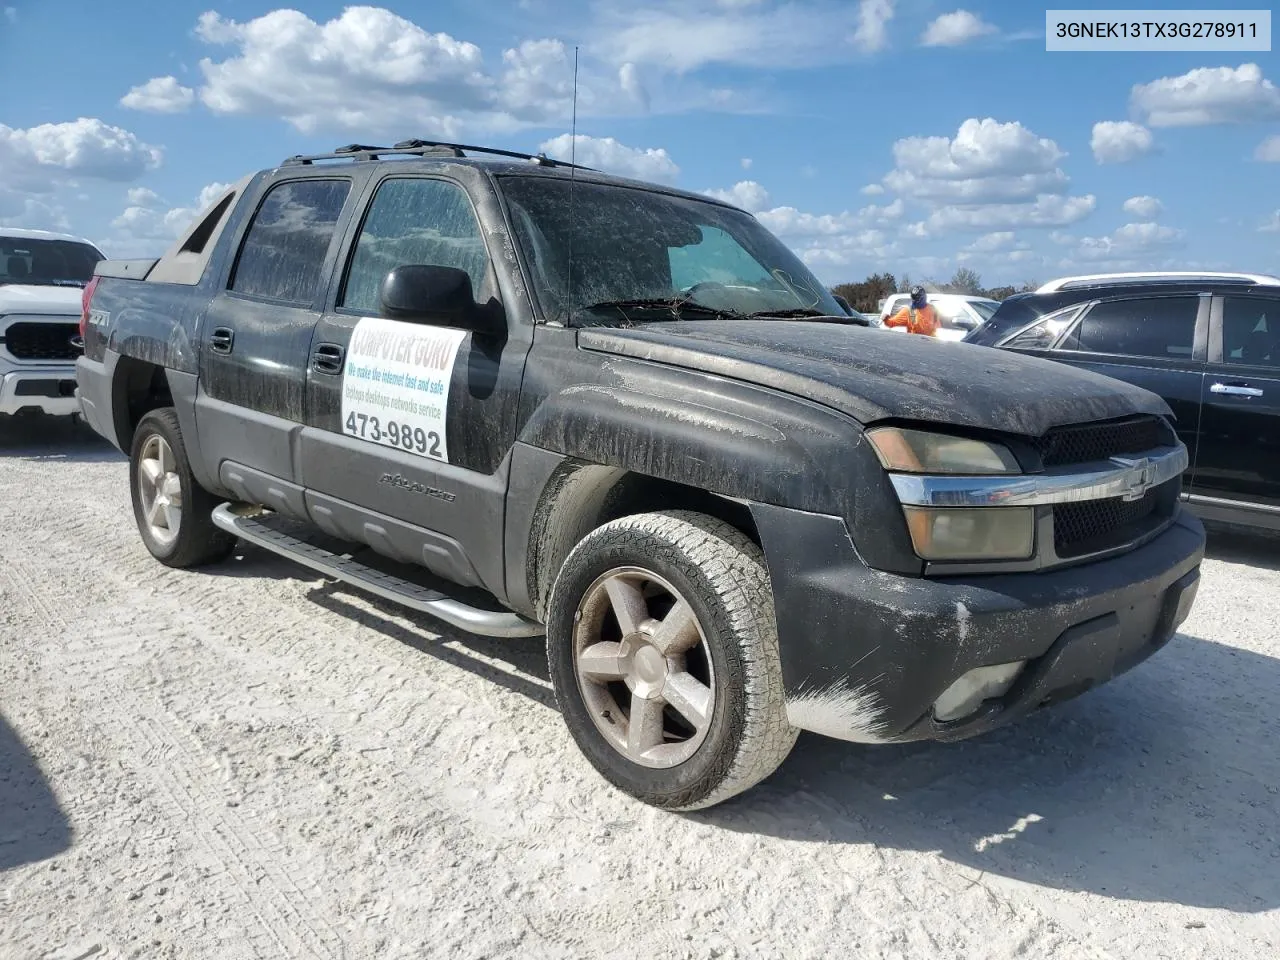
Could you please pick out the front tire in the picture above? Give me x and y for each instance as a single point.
(663, 652)
(173, 512)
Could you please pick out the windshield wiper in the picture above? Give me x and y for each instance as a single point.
(675, 307)
(807, 313)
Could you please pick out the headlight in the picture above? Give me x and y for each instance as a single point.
(914, 451)
(972, 533)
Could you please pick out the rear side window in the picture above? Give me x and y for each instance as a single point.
(284, 250)
(411, 221)
(1251, 331)
(1142, 327)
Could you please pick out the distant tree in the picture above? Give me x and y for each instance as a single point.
(906, 283)
(998, 293)
(866, 295)
(963, 281)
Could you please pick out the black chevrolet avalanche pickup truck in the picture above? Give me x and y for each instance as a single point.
(528, 398)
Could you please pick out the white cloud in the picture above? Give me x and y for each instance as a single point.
(746, 163)
(1268, 150)
(1128, 241)
(1119, 141)
(1208, 95)
(955, 29)
(1045, 211)
(872, 33)
(872, 190)
(986, 162)
(683, 36)
(1144, 207)
(159, 95)
(746, 194)
(143, 197)
(632, 85)
(990, 242)
(1272, 225)
(146, 228)
(609, 155)
(11, 14)
(37, 156)
(371, 71)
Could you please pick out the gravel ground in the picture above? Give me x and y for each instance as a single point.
(252, 762)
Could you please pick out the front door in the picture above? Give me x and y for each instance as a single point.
(410, 425)
(256, 331)
(1240, 427)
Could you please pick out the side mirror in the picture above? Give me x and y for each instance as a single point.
(423, 293)
(965, 323)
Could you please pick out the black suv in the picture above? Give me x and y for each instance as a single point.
(1208, 343)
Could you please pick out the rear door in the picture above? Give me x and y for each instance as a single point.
(410, 425)
(1240, 426)
(256, 332)
(1155, 342)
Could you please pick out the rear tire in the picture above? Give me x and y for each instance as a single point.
(173, 512)
(663, 652)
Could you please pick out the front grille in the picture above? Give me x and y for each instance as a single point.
(1093, 526)
(42, 341)
(1089, 442)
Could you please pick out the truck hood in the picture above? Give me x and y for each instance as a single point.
(872, 375)
(38, 299)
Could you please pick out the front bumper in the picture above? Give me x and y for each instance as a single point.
(47, 388)
(866, 654)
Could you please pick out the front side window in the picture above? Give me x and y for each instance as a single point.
(413, 221)
(47, 263)
(603, 244)
(283, 253)
(1251, 331)
(1141, 327)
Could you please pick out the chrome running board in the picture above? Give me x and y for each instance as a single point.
(489, 623)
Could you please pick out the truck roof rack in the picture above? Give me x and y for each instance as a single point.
(1156, 276)
(422, 148)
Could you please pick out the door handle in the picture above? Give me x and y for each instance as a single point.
(1235, 390)
(327, 358)
(221, 340)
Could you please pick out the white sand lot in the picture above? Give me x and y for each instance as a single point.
(250, 762)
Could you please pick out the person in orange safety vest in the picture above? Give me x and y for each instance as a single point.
(918, 316)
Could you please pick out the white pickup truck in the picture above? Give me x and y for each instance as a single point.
(42, 279)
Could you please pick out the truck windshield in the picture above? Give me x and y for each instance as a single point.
(50, 263)
(633, 249)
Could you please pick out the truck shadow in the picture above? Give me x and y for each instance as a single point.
(41, 437)
(518, 664)
(32, 824)
(1161, 786)
(1251, 548)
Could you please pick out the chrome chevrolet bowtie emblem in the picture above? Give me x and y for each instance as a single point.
(1139, 476)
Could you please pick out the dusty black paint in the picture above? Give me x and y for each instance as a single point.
(873, 377)
(551, 428)
(903, 641)
(734, 439)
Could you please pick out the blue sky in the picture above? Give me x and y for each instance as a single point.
(903, 135)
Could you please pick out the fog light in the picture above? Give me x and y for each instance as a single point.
(987, 533)
(965, 695)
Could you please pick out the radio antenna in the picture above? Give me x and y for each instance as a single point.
(573, 170)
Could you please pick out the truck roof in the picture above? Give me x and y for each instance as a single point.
(492, 159)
